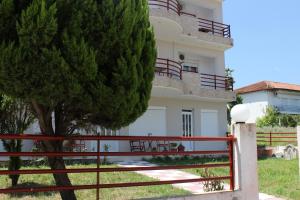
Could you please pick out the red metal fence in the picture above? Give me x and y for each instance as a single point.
(207, 26)
(217, 82)
(167, 67)
(229, 151)
(272, 138)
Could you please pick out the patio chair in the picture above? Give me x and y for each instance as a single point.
(137, 145)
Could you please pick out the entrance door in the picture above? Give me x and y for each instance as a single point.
(187, 127)
(209, 123)
(152, 122)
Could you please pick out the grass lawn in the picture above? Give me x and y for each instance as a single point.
(90, 178)
(277, 177)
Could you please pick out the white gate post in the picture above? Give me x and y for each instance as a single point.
(245, 160)
(298, 141)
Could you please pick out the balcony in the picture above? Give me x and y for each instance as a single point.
(189, 22)
(169, 68)
(170, 5)
(172, 81)
(216, 82)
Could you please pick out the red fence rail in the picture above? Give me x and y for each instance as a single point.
(276, 137)
(229, 151)
(207, 26)
(217, 82)
(167, 67)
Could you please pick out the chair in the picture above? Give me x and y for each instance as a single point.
(137, 145)
(164, 144)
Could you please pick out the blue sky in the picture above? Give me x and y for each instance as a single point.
(266, 37)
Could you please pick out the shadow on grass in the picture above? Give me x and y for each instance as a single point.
(29, 185)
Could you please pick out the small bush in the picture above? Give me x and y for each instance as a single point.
(211, 185)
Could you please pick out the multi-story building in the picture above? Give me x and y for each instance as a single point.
(190, 89)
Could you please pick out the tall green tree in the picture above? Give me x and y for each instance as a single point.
(77, 62)
(15, 118)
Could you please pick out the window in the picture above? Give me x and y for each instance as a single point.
(187, 123)
(188, 68)
(108, 132)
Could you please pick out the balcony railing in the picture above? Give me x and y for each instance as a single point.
(215, 28)
(216, 82)
(172, 5)
(167, 67)
(206, 26)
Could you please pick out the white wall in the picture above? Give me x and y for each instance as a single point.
(285, 101)
(174, 120)
(208, 61)
(211, 10)
(26, 144)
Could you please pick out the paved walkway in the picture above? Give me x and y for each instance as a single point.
(194, 188)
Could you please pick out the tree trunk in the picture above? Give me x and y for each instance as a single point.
(58, 163)
(14, 164)
(44, 115)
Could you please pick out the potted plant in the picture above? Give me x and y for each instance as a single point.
(180, 148)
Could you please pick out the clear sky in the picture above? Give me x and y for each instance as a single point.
(266, 37)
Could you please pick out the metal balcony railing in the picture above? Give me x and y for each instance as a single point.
(206, 26)
(215, 28)
(216, 82)
(167, 67)
(172, 5)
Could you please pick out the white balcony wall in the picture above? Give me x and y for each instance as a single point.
(207, 9)
(208, 61)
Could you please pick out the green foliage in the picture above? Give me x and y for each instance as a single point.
(91, 60)
(271, 118)
(210, 185)
(274, 118)
(83, 62)
(15, 118)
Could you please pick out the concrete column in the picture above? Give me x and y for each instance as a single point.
(298, 141)
(245, 161)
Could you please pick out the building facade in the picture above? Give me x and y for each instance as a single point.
(190, 90)
(283, 96)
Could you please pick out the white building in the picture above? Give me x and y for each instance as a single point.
(190, 90)
(283, 96)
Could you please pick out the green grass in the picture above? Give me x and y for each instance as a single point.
(277, 177)
(90, 178)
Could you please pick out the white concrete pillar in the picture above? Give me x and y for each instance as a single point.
(245, 161)
(298, 142)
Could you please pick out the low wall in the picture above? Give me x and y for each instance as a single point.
(210, 196)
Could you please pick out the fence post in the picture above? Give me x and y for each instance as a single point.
(270, 141)
(215, 76)
(245, 160)
(298, 143)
